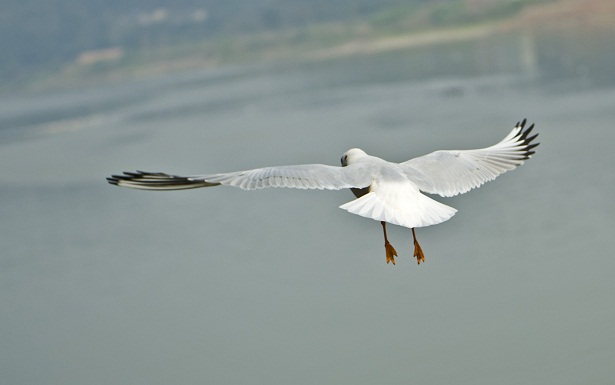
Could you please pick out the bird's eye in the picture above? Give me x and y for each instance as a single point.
(343, 160)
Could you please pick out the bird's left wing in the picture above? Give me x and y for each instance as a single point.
(448, 173)
(307, 176)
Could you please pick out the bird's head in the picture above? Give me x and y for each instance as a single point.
(352, 155)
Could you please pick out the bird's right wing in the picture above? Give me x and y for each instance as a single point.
(307, 176)
(448, 173)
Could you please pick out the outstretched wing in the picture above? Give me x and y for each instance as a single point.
(307, 176)
(448, 173)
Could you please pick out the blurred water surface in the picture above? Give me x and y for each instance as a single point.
(102, 285)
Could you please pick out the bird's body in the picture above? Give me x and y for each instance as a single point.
(392, 197)
(387, 192)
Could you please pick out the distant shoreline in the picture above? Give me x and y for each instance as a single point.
(116, 65)
(78, 74)
(419, 39)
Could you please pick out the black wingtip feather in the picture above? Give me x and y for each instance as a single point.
(526, 140)
(525, 133)
(156, 181)
(529, 147)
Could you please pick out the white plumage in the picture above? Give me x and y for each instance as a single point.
(387, 192)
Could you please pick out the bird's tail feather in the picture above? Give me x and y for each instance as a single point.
(418, 212)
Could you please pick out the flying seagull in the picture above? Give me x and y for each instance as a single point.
(386, 192)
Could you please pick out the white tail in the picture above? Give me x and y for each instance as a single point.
(412, 209)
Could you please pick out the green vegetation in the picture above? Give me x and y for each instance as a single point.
(459, 13)
(41, 41)
(435, 14)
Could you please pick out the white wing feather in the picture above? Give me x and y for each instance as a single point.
(307, 176)
(448, 173)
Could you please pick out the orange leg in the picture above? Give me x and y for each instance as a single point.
(390, 250)
(418, 252)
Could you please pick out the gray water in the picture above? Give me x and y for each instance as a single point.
(103, 285)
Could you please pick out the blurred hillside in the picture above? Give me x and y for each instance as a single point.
(39, 35)
(53, 42)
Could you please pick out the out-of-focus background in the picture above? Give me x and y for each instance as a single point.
(103, 285)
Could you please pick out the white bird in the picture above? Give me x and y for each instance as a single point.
(387, 192)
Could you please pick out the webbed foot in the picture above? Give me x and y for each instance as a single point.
(418, 252)
(391, 252)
